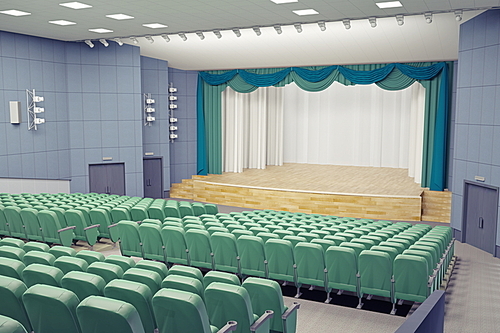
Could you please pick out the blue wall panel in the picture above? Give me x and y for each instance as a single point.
(477, 126)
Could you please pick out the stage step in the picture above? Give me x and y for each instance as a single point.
(182, 190)
(436, 206)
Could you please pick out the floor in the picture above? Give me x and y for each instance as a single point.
(325, 178)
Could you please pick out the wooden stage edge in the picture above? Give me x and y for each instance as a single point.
(429, 206)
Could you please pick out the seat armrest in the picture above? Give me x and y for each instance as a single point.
(229, 327)
(92, 227)
(263, 320)
(295, 306)
(112, 225)
(67, 228)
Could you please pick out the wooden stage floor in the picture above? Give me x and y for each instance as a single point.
(332, 179)
(361, 192)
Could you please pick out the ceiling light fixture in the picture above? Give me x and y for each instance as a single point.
(298, 27)
(389, 4)
(459, 15)
(183, 36)
(302, 12)
(237, 32)
(322, 25)
(218, 34)
(104, 42)
(428, 17)
(400, 19)
(165, 37)
(154, 25)
(200, 34)
(117, 41)
(15, 12)
(101, 30)
(62, 22)
(257, 31)
(134, 40)
(75, 5)
(279, 2)
(347, 24)
(120, 16)
(149, 39)
(278, 29)
(89, 43)
(373, 22)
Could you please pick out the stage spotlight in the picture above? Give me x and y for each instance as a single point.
(237, 32)
(217, 34)
(149, 39)
(400, 19)
(89, 43)
(104, 42)
(183, 36)
(428, 17)
(373, 22)
(322, 25)
(165, 37)
(134, 40)
(459, 15)
(347, 24)
(298, 27)
(257, 31)
(117, 41)
(278, 29)
(200, 34)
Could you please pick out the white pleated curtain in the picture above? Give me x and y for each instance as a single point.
(342, 125)
(252, 132)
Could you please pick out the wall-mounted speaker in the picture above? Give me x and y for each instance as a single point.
(15, 112)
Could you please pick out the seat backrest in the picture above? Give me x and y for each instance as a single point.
(145, 276)
(11, 267)
(130, 240)
(158, 267)
(342, 266)
(200, 248)
(186, 271)
(252, 255)
(227, 302)
(266, 295)
(98, 314)
(11, 291)
(120, 214)
(392, 252)
(375, 269)
(39, 257)
(83, 284)
(225, 251)
(13, 217)
(108, 271)
(280, 258)
(152, 244)
(37, 273)
(90, 256)
(12, 252)
(103, 218)
(180, 311)
(75, 218)
(310, 260)
(9, 325)
(224, 277)
(139, 213)
(175, 244)
(68, 264)
(50, 224)
(411, 276)
(51, 309)
(185, 283)
(30, 221)
(137, 294)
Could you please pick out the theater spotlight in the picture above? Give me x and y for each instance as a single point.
(322, 25)
(347, 24)
(257, 31)
(89, 43)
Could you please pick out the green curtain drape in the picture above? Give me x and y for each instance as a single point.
(434, 76)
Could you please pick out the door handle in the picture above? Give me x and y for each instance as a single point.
(481, 223)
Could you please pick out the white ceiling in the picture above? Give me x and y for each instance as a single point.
(414, 41)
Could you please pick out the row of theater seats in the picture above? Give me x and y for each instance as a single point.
(66, 218)
(325, 252)
(178, 305)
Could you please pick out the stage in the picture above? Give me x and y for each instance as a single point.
(362, 192)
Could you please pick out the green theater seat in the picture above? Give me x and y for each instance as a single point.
(175, 245)
(225, 252)
(124, 262)
(158, 267)
(60, 251)
(145, 276)
(411, 278)
(98, 314)
(11, 291)
(185, 283)
(200, 248)
(130, 240)
(90, 256)
(12, 252)
(68, 264)
(44, 274)
(51, 309)
(281, 260)
(53, 230)
(152, 243)
(252, 256)
(9, 325)
(186, 271)
(11, 268)
(108, 271)
(83, 284)
(15, 242)
(311, 267)
(224, 277)
(342, 266)
(38, 257)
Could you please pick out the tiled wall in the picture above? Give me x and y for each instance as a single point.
(183, 149)
(105, 111)
(477, 122)
(154, 77)
(34, 63)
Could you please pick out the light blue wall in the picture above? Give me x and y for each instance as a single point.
(93, 109)
(34, 63)
(476, 149)
(154, 76)
(183, 150)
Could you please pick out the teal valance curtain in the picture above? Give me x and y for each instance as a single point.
(434, 76)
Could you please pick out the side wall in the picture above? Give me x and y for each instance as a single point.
(477, 122)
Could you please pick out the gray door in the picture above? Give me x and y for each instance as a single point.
(153, 177)
(107, 178)
(480, 216)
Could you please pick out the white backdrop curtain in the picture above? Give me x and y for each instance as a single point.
(355, 125)
(252, 126)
